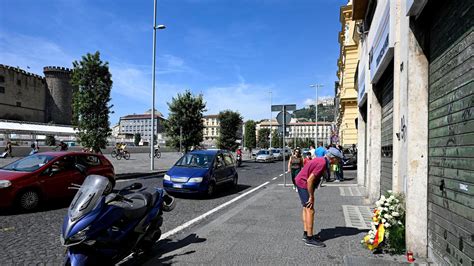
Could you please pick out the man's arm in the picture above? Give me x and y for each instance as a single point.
(310, 187)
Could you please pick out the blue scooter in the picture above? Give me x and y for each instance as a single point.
(103, 229)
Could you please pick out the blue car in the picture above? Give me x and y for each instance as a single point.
(201, 172)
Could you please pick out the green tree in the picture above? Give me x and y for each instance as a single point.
(186, 113)
(137, 138)
(263, 138)
(250, 137)
(92, 81)
(50, 140)
(276, 139)
(230, 124)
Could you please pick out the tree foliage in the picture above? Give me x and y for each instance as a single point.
(186, 112)
(50, 140)
(325, 113)
(92, 81)
(250, 137)
(263, 138)
(230, 124)
(137, 138)
(277, 139)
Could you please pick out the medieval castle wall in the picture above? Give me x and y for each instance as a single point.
(29, 97)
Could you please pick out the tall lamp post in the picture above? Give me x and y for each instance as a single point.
(317, 86)
(152, 144)
(271, 102)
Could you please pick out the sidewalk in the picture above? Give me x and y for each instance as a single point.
(138, 165)
(266, 229)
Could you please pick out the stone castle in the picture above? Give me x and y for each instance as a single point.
(29, 97)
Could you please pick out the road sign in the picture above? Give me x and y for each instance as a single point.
(286, 117)
(288, 107)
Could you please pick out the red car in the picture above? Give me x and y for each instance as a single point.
(47, 175)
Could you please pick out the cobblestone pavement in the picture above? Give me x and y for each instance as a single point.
(34, 237)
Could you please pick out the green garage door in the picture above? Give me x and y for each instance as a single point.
(451, 133)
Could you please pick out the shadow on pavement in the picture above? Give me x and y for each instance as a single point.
(154, 257)
(331, 233)
(222, 191)
(49, 205)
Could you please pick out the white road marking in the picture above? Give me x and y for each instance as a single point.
(281, 174)
(199, 218)
(275, 178)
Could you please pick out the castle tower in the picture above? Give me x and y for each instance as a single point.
(59, 102)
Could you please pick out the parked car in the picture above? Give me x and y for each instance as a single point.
(48, 175)
(277, 154)
(254, 152)
(286, 152)
(265, 156)
(350, 160)
(201, 171)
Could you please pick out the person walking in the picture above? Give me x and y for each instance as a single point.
(338, 171)
(295, 164)
(312, 151)
(320, 151)
(34, 149)
(9, 150)
(309, 179)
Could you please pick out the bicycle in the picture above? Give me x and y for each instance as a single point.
(122, 154)
(156, 155)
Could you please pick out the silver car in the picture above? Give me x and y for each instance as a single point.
(277, 154)
(265, 156)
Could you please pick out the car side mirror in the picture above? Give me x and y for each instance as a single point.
(81, 168)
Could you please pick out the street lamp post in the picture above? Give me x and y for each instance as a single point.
(152, 144)
(317, 86)
(271, 102)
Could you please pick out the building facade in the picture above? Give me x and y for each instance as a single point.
(346, 93)
(415, 122)
(211, 130)
(31, 98)
(297, 130)
(141, 123)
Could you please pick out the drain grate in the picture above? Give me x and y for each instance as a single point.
(350, 191)
(357, 216)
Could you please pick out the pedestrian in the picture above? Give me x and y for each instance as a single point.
(309, 179)
(33, 149)
(9, 150)
(295, 164)
(307, 158)
(320, 151)
(312, 151)
(338, 172)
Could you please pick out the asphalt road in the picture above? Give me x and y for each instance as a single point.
(34, 237)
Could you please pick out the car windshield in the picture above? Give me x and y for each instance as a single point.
(195, 160)
(263, 152)
(276, 151)
(88, 196)
(29, 164)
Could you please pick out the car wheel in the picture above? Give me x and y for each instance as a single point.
(29, 200)
(119, 156)
(235, 181)
(211, 189)
(113, 154)
(158, 155)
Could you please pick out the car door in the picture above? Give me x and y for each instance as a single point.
(230, 167)
(219, 169)
(56, 179)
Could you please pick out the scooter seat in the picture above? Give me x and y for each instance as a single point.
(139, 205)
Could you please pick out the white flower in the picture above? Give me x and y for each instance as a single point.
(389, 191)
(385, 209)
(387, 216)
(386, 225)
(371, 241)
(392, 197)
(383, 220)
(382, 197)
(395, 214)
(391, 208)
(379, 209)
(397, 201)
(399, 222)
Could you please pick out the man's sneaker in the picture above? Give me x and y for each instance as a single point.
(305, 237)
(337, 181)
(314, 243)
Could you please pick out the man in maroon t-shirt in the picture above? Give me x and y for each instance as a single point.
(307, 181)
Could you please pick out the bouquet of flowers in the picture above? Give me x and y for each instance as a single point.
(387, 224)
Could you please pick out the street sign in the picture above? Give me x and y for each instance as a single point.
(288, 107)
(286, 117)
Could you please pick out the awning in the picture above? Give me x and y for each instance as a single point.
(10, 127)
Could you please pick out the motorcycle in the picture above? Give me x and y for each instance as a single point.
(239, 160)
(104, 229)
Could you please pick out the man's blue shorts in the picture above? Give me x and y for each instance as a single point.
(304, 196)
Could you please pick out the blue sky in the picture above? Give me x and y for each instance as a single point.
(232, 51)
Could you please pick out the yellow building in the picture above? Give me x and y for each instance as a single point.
(346, 94)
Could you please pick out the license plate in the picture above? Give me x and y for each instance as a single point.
(177, 186)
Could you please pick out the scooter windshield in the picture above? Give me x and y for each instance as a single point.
(88, 196)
